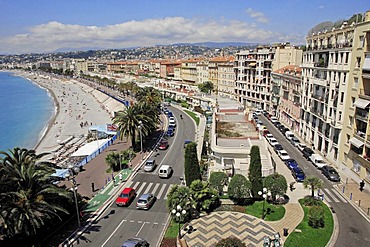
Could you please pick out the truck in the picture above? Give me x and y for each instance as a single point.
(317, 160)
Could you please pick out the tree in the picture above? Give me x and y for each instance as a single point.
(230, 242)
(218, 180)
(192, 169)
(204, 197)
(148, 95)
(316, 217)
(206, 87)
(239, 189)
(255, 172)
(113, 161)
(28, 199)
(313, 183)
(128, 122)
(276, 184)
(180, 195)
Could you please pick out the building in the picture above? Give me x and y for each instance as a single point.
(286, 86)
(226, 79)
(253, 73)
(354, 150)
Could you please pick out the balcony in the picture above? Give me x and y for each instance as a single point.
(319, 81)
(318, 97)
(362, 116)
(360, 135)
(364, 94)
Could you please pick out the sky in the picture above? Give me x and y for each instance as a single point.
(40, 26)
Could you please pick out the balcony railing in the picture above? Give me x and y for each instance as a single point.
(365, 94)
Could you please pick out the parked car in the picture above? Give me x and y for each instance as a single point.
(317, 160)
(149, 165)
(330, 173)
(135, 242)
(268, 136)
(289, 135)
(283, 129)
(301, 146)
(265, 132)
(291, 163)
(145, 201)
(273, 119)
(163, 145)
(170, 131)
(273, 141)
(277, 124)
(298, 174)
(307, 152)
(283, 155)
(278, 147)
(294, 141)
(126, 197)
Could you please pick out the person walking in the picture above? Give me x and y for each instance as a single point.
(120, 177)
(362, 185)
(93, 187)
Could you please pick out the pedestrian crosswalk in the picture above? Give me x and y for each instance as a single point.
(158, 189)
(332, 195)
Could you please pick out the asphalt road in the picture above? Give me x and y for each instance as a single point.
(353, 228)
(120, 223)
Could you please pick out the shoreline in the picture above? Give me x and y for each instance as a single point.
(74, 104)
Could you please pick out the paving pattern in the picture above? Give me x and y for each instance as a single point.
(210, 229)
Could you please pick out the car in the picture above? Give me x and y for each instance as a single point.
(171, 118)
(172, 122)
(268, 136)
(135, 242)
(283, 155)
(291, 163)
(126, 196)
(186, 142)
(273, 119)
(163, 145)
(170, 131)
(330, 173)
(149, 166)
(301, 146)
(278, 147)
(257, 112)
(265, 132)
(277, 124)
(283, 129)
(294, 141)
(145, 201)
(273, 141)
(307, 152)
(298, 174)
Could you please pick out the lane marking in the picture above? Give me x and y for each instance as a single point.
(142, 226)
(106, 241)
(331, 195)
(141, 188)
(148, 188)
(339, 196)
(165, 196)
(161, 191)
(155, 188)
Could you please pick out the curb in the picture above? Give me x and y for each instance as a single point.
(359, 210)
(334, 235)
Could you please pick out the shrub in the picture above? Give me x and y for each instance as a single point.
(192, 169)
(255, 172)
(316, 217)
(217, 181)
(311, 201)
(230, 242)
(239, 189)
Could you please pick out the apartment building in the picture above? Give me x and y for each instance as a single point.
(226, 79)
(334, 114)
(253, 73)
(189, 71)
(286, 96)
(354, 150)
(202, 72)
(167, 69)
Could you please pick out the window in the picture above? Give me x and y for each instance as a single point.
(358, 62)
(341, 97)
(350, 121)
(353, 99)
(356, 167)
(340, 116)
(355, 79)
(347, 139)
(361, 44)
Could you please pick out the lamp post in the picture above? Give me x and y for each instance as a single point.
(178, 212)
(75, 196)
(141, 138)
(264, 193)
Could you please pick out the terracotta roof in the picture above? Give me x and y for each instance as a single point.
(289, 69)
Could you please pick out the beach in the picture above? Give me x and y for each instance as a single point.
(77, 107)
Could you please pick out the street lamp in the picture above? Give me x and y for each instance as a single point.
(75, 196)
(141, 138)
(178, 212)
(264, 193)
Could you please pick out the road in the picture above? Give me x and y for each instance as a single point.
(120, 223)
(353, 228)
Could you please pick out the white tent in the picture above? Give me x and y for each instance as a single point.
(90, 148)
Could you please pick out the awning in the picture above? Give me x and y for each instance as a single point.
(362, 103)
(356, 142)
(366, 65)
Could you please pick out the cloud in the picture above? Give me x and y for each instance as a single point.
(259, 16)
(321, 6)
(54, 35)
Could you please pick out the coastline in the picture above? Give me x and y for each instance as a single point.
(74, 104)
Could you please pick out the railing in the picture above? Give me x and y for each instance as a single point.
(365, 94)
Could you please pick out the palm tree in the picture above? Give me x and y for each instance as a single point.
(28, 198)
(313, 183)
(148, 95)
(128, 122)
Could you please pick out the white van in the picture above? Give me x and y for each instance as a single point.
(289, 135)
(165, 171)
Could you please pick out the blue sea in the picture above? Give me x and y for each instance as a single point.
(25, 109)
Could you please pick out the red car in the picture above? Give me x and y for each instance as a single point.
(163, 145)
(126, 197)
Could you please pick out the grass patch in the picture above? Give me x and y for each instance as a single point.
(272, 212)
(312, 236)
(173, 229)
(193, 116)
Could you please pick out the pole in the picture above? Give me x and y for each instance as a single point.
(263, 208)
(75, 196)
(141, 142)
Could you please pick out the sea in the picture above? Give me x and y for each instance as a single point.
(25, 110)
